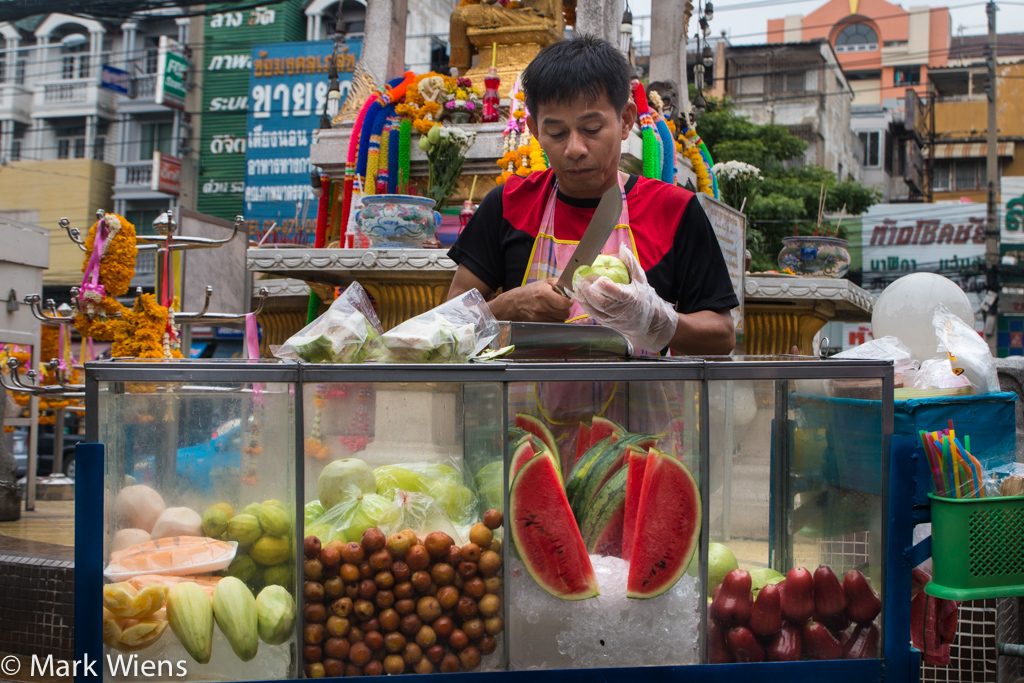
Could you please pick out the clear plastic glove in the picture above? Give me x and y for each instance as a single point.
(635, 310)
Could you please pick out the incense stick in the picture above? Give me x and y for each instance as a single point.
(472, 189)
(842, 211)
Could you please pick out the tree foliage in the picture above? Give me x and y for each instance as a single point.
(786, 201)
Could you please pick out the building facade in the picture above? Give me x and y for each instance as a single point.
(800, 86)
(961, 117)
(70, 143)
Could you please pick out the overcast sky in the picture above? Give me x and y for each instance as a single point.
(746, 24)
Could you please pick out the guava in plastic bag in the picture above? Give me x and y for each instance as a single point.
(419, 512)
(453, 332)
(313, 511)
(347, 520)
(489, 486)
(441, 482)
(343, 334)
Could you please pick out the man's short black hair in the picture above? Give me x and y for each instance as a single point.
(582, 65)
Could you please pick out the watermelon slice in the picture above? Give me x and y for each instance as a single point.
(578, 474)
(601, 525)
(523, 453)
(634, 482)
(546, 535)
(607, 464)
(536, 426)
(667, 528)
(602, 428)
(582, 441)
(527, 449)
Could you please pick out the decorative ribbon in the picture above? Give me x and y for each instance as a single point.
(404, 148)
(91, 288)
(394, 161)
(319, 241)
(252, 337)
(668, 154)
(651, 158)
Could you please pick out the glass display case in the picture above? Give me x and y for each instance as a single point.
(507, 515)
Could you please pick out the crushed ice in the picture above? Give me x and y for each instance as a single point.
(610, 630)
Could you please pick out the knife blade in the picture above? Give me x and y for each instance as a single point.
(599, 229)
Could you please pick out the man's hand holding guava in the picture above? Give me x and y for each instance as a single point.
(633, 308)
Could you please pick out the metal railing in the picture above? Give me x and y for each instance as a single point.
(145, 87)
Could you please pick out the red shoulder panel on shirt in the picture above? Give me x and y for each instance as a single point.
(523, 200)
(655, 214)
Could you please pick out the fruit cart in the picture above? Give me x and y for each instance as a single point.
(258, 520)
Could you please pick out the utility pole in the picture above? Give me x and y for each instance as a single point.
(992, 257)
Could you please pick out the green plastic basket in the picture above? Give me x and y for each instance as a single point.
(977, 548)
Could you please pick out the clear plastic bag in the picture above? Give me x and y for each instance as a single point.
(347, 520)
(343, 334)
(885, 348)
(453, 332)
(937, 373)
(419, 512)
(968, 353)
(442, 483)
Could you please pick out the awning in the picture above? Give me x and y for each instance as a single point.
(970, 150)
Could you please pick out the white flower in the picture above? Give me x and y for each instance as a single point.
(736, 170)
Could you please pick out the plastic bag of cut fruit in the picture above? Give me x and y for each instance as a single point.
(419, 512)
(444, 484)
(453, 332)
(347, 520)
(343, 334)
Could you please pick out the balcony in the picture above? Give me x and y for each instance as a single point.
(145, 269)
(132, 181)
(72, 97)
(15, 103)
(145, 88)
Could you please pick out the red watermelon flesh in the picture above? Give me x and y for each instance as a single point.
(634, 482)
(582, 440)
(667, 530)
(546, 535)
(602, 428)
(536, 426)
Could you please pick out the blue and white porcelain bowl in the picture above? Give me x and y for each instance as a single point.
(815, 256)
(398, 220)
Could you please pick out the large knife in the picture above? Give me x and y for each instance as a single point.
(605, 218)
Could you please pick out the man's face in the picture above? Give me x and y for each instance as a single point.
(582, 140)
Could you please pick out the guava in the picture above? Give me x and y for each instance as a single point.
(721, 561)
(764, 576)
(344, 479)
(608, 266)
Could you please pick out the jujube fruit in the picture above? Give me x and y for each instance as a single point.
(410, 624)
(373, 540)
(374, 640)
(458, 639)
(487, 645)
(412, 653)
(434, 653)
(471, 552)
(312, 653)
(417, 558)
(394, 665)
(353, 553)
(437, 544)
(316, 670)
(372, 668)
(481, 535)
(337, 648)
(401, 571)
(470, 658)
(428, 609)
(311, 547)
(424, 666)
(442, 574)
(394, 642)
(450, 663)
(474, 587)
(384, 599)
(474, 628)
(490, 563)
(444, 626)
(333, 667)
(426, 637)
(389, 620)
(492, 519)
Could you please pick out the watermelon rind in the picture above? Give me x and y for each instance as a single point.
(606, 464)
(536, 426)
(667, 530)
(546, 535)
(601, 513)
(637, 463)
(582, 441)
(578, 473)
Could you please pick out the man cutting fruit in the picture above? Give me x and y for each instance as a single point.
(671, 289)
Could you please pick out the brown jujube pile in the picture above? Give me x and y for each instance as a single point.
(395, 605)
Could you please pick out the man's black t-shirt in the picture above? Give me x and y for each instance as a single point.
(675, 242)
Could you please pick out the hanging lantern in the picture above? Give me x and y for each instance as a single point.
(707, 56)
(709, 11)
(626, 33)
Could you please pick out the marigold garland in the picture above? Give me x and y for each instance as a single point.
(99, 319)
(143, 331)
(117, 265)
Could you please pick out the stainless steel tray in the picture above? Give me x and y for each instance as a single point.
(554, 341)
